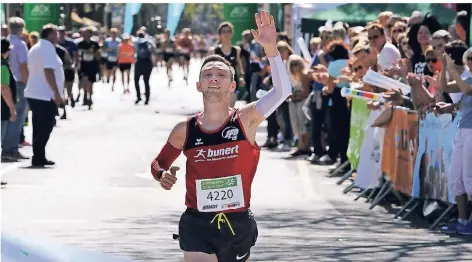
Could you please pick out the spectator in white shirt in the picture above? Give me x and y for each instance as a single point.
(389, 55)
(44, 90)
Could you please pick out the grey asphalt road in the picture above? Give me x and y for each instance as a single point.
(101, 196)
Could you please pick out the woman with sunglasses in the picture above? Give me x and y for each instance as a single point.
(395, 32)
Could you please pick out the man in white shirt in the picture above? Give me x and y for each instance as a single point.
(44, 90)
(388, 53)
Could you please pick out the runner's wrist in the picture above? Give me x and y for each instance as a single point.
(159, 174)
(271, 51)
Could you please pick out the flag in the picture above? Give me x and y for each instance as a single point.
(174, 12)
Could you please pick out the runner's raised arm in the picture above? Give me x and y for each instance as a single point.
(257, 111)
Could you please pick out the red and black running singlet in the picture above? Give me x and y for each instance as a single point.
(223, 153)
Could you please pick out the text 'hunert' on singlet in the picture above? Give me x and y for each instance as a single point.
(220, 166)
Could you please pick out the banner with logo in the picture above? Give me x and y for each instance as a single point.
(174, 12)
(369, 168)
(38, 15)
(435, 145)
(359, 116)
(241, 15)
(399, 149)
(130, 11)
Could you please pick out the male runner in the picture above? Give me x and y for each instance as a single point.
(88, 55)
(222, 157)
(185, 48)
(168, 52)
(69, 73)
(110, 48)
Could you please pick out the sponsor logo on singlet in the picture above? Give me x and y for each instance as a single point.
(230, 133)
(216, 154)
(205, 207)
(198, 142)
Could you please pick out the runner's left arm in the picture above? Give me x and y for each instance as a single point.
(257, 111)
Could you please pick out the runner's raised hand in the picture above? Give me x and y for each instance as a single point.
(266, 34)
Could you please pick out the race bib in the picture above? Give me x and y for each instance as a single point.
(220, 194)
(185, 50)
(112, 58)
(88, 57)
(169, 50)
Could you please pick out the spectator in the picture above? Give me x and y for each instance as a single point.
(301, 78)
(34, 38)
(45, 91)
(388, 53)
(439, 40)
(4, 30)
(397, 29)
(18, 58)
(460, 180)
(8, 95)
(314, 45)
(462, 26)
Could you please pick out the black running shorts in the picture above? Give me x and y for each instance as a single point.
(69, 75)
(89, 70)
(198, 234)
(124, 67)
(186, 57)
(111, 65)
(168, 56)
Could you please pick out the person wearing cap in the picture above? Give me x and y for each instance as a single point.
(18, 59)
(44, 91)
(8, 94)
(69, 72)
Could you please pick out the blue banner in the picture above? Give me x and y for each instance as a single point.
(174, 11)
(130, 11)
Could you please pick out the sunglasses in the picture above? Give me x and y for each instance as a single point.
(374, 37)
(325, 37)
(469, 58)
(226, 31)
(398, 31)
(428, 60)
(358, 68)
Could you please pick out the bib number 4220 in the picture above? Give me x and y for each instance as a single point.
(220, 195)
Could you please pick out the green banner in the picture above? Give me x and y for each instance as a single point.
(2, 13)
(38, 15)
(242, 18)
(359, 115)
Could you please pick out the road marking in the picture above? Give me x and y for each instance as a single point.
(306, 180)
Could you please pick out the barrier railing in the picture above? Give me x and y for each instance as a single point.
(406, 156)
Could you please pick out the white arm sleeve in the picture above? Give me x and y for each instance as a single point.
(282, 88)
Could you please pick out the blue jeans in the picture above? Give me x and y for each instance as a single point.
(11, 141)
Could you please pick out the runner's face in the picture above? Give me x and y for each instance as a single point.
(215, 81)
(226, 33)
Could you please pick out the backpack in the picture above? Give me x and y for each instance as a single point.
(144, 51)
